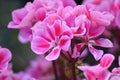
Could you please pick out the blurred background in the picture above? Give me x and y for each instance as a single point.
(21, 53)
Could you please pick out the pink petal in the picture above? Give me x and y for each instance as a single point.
(96, 31)
(22, 17)
(64, 43)
(88, 72)
(40, 45)
(5, 57)
(44, 30)
(50, 19)
(17, 16)
(69, 3)
(102, 19)
(103, 42)
(106, 60)
(66, 30)
(96, 53)
(25, 35)
(57, 28)
(54, 54)
(40, 14)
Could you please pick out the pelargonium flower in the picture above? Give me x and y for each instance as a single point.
(5, 57)
(90, 40)
(25, 18)
(53, 38)
(99, 71)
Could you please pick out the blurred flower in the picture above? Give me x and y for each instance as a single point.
(5, 57)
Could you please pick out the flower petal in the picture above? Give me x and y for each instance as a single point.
(106, 60)
(102, 19)
(25, 35)
(87, 72)
(64, 43)
(39, 45)
(40, 14)
(103, 42)
(69, 3)
(57, 27)
(96, 31)
(54, 54)
(96, 53)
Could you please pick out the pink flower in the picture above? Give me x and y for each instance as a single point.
(99, 71)
(22, 17)
(23, 20)
(56, 37)
(41, 71)
(5, 57)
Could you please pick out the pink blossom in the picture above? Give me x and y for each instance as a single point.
(41, 71)
(5, 57)
(89, 39)
(57, 36)
(23, 20)
(22, 17)
(112, 6)
(99, 71)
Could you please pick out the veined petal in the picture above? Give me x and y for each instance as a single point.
(106, 60)
(54, 54)
(39, 45)
(103, 42)
(96, 53)
(64, 43)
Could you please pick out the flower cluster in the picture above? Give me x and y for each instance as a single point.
(66, 33)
